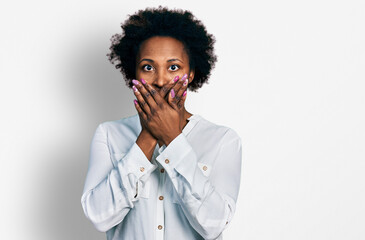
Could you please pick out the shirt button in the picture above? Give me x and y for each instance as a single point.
(159, 227)
(162, 170)
(160, 197)
(205, 168)
(167, 161)
(141, 169)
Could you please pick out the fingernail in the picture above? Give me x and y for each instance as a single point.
(134, 88)
(143, 81)
(135, 101)
(135, 82)
(184, 94)
(184, 77)
(185, 83)
(176, 78)
(172, 93)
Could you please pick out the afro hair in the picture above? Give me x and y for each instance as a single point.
(179, 24)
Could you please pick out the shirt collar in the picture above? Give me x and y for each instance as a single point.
(193, 120)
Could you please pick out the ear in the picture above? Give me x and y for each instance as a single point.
(191, 76)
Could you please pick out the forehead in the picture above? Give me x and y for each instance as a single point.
(162, 47)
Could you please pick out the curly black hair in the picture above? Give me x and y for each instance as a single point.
(179, 24)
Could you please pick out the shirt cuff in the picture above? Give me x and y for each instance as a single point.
(137, 163)
(133, 168)
(179, 158)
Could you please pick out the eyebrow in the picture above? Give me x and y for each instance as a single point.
(150, 60)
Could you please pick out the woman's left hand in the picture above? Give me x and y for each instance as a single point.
(165, 120)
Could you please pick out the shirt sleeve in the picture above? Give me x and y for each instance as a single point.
(110, 191)
(207, 202)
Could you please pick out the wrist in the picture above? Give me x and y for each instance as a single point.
(146, 143)
(146, 136)
(169, 139)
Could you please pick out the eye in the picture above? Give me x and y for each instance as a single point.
(147, 67)
(174, 67)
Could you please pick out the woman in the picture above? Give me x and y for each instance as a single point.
(163, 173)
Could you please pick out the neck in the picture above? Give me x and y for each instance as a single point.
(186, 116)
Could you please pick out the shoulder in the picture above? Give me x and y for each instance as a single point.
(216, 131)
(124, 125)
(126, 121)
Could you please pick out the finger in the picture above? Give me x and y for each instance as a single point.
(154, 93)
(175, 93)
(183, 91)
(166, 88)
(139, 110)
(145, 94)
(141, 101)
(180, 91)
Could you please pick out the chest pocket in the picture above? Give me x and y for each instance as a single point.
(142, 187)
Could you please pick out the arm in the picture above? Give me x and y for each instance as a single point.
(110, 191)
(209, 205)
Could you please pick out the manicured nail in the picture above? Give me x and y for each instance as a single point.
(176, 78)
(172, 93)
(184, 94)
(184, 77)
(134, 88)
(135, 101)
(186, 82)
(143, 81)
(135, 82)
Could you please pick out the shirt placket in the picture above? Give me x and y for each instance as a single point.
(160, 213)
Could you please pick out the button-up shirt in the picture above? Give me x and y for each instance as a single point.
(188, 190)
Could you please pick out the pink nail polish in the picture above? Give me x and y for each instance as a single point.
(184, 77)
(135, 82)
(135, 101)
(172, 93)
(184, 94)
(143, 81)
(176, 78)
(134, 88)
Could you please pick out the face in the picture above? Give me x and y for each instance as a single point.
(160, 59)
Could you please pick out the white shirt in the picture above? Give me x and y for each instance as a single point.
(187, 191)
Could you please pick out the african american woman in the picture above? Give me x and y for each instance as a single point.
(163, 173)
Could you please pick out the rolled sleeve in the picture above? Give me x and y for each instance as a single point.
(135, 170)
(110, 191)
(137, 163)
(172, 157)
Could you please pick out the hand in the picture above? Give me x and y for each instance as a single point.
(165, 90)
(163, 93)
(180, 91)
(163, 119)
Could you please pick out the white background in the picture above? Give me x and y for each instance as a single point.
(289, 80)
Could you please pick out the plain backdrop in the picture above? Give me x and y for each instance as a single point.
(289, 79)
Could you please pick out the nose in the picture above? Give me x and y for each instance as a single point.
(161, 79)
